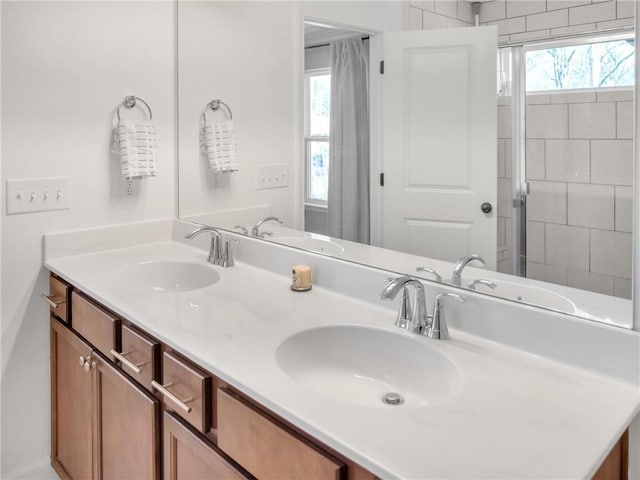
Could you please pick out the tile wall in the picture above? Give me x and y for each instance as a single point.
(526, 20)
(579, 149)
(430, 14)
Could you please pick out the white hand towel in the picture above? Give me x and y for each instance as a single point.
(218, 141)
(136, 144)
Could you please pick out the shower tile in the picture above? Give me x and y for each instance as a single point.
(525, 7)
(547, 273)
(592, 13)
(501, 159)
(502, 233)
(547, 202)
(415, 19)
(504, 197)
(624, 209)
(510, 25)
(589, 97)
(592, 282)
(625, 8)
(424, 5)
(567, 246)
(553, 19)
(507, 158)
(592, 120)
(557, 4)
(535, 160)
(567, 161)
(504, 122)
(433, 21)
(505, 266)
(625, 119)
(535, 99)
(447, 7)
(535, 242)
(508, 222)
(611, 253)
(465, 11)
(612, 162)
(616, 96)
(547, 121)
(491, 11)
(590, 205)
(622, 287)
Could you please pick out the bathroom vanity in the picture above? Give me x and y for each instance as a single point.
(165, 366)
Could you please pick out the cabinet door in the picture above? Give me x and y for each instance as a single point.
(188, 457)
(71, 404)
(127, 421)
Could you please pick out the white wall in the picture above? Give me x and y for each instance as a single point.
(241, 53)
(66, 66)
(432, 14)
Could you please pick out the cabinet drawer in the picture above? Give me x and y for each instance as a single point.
(139, 356)
(186, 391)
(188, 457)
(97, 326)
(267, 450)
(58, 298)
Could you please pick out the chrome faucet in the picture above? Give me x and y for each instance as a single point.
(456, 278)
(416, 319)
(487, 283)
(255, 229)
(436, 275)
(413, 319)
(216, 255)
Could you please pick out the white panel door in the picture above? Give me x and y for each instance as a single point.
(439, 142)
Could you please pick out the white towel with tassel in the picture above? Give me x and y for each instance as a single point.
(219, 143)
(137, 146)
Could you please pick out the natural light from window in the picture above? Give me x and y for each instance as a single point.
(317, 112)
(592, 65)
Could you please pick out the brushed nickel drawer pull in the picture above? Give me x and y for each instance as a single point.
(53, 300)
(121, 358)
(163, 390)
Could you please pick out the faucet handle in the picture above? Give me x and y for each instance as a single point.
(436, 275)
(227, 259)
(487, 283)
(242, 228)
(265, 234)
(405, 314)
(438, 329)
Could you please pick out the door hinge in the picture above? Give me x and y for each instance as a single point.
(382, 179)
(382, 67)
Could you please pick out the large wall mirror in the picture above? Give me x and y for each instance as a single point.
(492, 150)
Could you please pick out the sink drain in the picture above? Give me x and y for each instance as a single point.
(392, 398)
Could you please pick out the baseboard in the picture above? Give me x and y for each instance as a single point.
(38, 470)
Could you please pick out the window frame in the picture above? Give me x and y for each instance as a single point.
(576, 42)
(308, 138)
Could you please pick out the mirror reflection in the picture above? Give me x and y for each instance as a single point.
(498, 161)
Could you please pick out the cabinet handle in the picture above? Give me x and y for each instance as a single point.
(53, 300)
(163, 390)
(121, 358)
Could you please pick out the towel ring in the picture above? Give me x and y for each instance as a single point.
(130, 102)
(215, 106)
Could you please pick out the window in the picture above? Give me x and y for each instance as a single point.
(317, 120)
(598, 64)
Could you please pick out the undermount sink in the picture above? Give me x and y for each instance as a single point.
(168, 276)
(526, 294)
(369, 366)
(318, 245)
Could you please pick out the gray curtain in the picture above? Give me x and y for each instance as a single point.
(348, 202)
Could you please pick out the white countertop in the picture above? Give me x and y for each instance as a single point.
(518, 415)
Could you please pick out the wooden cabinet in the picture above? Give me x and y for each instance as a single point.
(103, 425)
(188, 457)
(616, 465)
(71, 404)
(127, 424)
(266, 449)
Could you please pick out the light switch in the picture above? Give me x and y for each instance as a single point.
(272, 176)
(28, 195)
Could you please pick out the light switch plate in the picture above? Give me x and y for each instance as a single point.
(272, 176)
(29, 195)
